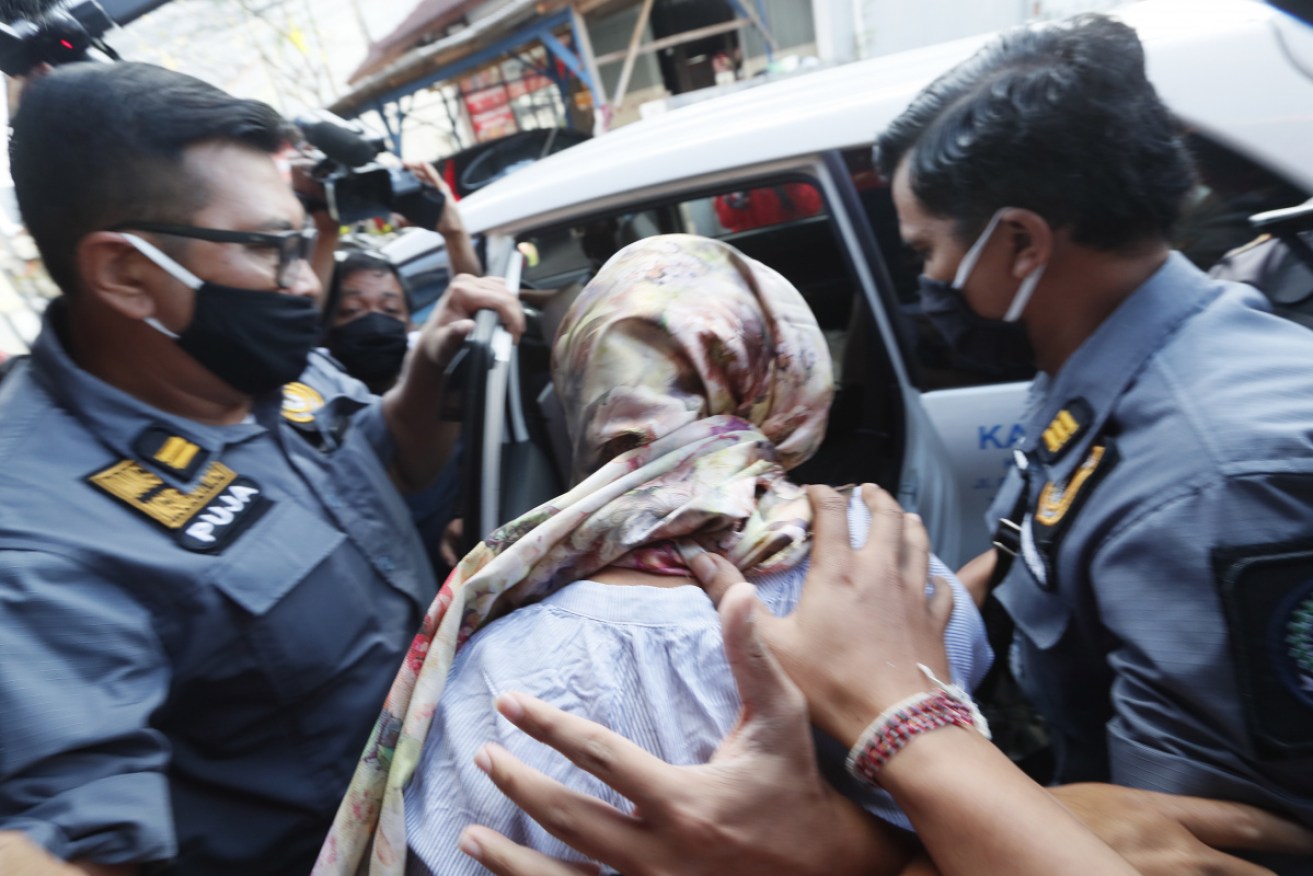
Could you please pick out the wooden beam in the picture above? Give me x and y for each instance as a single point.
(635, 38)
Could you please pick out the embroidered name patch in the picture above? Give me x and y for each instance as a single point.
(1065, 429)
(206, 518)
(1267, 592)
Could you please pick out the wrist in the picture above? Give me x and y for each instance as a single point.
(906, 720)
(845, 711)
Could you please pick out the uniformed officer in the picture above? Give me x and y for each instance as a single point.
(207, 574)
(1162, 504)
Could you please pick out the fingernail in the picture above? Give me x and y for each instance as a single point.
(510, 706)
(483, 760)
(469, 845)
(913, 517)
(703, 566)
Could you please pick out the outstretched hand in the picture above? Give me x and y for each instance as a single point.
(864, 620)
(759, 806)
(1161, 834)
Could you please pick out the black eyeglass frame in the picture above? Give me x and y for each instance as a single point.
(293, 245)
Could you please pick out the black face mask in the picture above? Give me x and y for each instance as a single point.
(371, 347)
(991, 347)
(252, 340)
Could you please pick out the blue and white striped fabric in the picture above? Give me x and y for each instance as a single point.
(648, 662)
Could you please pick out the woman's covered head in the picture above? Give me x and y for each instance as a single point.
(677, 328)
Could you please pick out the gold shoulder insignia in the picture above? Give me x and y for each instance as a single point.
(170, 452)
(300, 402)
(1055, 501)
(1064, 429)
(1058, 504)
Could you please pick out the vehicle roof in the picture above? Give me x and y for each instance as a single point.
(845, 106)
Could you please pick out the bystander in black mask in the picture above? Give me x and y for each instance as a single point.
(371, 348)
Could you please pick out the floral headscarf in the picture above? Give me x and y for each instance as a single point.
(692, 378)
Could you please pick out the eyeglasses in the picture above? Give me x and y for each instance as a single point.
(292, 246)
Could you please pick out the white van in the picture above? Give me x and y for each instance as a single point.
(784, 173)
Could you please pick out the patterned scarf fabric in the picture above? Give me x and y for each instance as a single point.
(692, 378)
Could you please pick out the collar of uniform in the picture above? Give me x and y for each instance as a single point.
(114, 417)
(1100, 369)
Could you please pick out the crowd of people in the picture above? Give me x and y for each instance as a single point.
(224, 483)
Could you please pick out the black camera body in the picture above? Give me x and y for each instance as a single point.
(358, 187)
(60, 37)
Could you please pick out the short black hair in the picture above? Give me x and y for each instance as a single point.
(353, 263)
(1058, 118)
(97, 144)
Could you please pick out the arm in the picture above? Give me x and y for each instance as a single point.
(311, 192)
(20, 857)
(410, 408)
(1200, 596)
(971, 807)
(1170, 835)
(460, 246)
(81, 672)
(322, 260)
(976, 574)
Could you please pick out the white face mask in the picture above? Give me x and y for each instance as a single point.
(1024, 291)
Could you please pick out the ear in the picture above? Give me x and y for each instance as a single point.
(113, 271)
(1031, 238)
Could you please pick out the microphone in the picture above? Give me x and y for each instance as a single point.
(338, 140)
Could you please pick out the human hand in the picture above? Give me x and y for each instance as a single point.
(1175, 835)
(19, 856)
(863, 622)
(306, 185)
(450, 221)
(453, 318)
(758, 807)
(449, 546)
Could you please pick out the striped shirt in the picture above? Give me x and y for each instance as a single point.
(647, 662)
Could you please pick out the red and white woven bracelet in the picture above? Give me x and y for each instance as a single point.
(948, 706)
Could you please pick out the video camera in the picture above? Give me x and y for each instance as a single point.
(59, 37)
(359, 187)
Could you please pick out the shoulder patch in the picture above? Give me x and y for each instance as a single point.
(1058, 504)
(171, 452)
(1267, 593)
(1065, 429)
(206, 518)
(300, 402)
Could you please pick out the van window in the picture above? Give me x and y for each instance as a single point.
(786, 224)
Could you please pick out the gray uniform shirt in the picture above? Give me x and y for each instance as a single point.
(198, 624)
(1167, 548)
